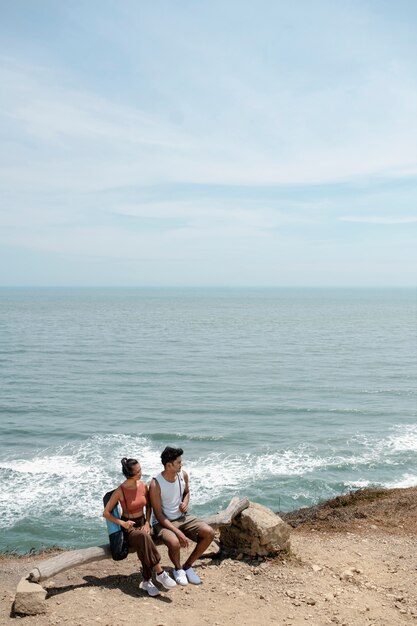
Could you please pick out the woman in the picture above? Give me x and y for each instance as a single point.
(133, 497)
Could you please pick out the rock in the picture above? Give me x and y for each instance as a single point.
(348, 574)
(257, 531)
(30, 598)
(316, 568)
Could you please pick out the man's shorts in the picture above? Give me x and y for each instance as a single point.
(187, 524)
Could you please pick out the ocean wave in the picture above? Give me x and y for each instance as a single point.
(407, 480)
(71, 479)
(405, 439)
(168, 436)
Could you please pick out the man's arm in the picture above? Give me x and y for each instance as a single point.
(186, 495)
(155, 499)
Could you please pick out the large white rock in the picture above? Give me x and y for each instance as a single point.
(257, 531)
(30, 598)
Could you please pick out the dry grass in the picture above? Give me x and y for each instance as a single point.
(390, 509)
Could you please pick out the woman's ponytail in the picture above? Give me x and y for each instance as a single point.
(127, 465)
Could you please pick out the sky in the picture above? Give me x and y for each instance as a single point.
(208, 143)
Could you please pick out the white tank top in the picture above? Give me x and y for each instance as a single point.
(171, 496)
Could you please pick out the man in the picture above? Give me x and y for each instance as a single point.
(170, 495)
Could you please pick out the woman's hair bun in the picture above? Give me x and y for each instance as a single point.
(127, 465)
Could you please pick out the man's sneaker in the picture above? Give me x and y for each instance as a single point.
(147, 585)
(166, 580)
(193, 578)
(180, 577)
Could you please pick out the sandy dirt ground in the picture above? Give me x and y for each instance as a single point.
(352, 562)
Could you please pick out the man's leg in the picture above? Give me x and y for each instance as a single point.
(171, 541)
(204, 539)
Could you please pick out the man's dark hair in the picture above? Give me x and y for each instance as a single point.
(170, 454)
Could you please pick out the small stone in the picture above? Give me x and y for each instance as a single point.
(316, 568)
(290, 594)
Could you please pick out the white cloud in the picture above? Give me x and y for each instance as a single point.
(283, 136)
(379, 219)
(214, 142)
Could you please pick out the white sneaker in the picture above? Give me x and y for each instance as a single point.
(166, 580)
(193, 578)
(180, 577)
(147, 585)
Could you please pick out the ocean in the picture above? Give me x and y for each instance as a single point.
(287, 396)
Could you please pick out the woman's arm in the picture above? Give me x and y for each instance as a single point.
(148, 512)
(110, 506)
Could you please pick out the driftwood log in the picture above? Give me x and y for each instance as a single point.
(224, 518)
(68, 560)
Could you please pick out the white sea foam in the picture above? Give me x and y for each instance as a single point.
(53, 466)
(407, 480)
(404, 439)
(220, 474)
(357, 484)
(72, 479)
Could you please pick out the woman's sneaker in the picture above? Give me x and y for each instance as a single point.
(193, 578)
(180, 577)
(166, 580)
(147, 585)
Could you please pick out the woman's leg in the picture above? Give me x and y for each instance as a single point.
(145, 549)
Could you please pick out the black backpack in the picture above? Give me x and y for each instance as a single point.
(119, 545)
